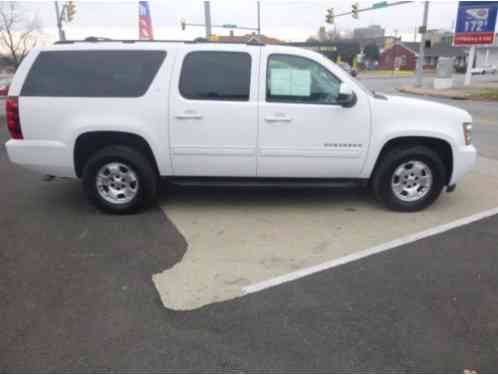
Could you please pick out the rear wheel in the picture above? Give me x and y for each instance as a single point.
(409, 179)
(120, 180)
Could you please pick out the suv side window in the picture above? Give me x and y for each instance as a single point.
(294, 79)
(93, 73)
(216, 75)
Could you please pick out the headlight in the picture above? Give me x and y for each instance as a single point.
(467, 133)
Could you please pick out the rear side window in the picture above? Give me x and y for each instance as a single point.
(92, 73)
(213, 75)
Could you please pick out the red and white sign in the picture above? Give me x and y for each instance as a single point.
(476, 22)
(474, 38)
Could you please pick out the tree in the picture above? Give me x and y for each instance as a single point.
(371, 52)
(18, 34)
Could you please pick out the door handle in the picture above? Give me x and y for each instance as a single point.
(278, 119)
(188, 116)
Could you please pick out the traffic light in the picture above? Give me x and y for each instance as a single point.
(71, 10)
(183, 23)
(330, 18)
(355, 10)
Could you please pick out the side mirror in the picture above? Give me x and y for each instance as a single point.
(346, 97)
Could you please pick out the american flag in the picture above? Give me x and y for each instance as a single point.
(144, 21)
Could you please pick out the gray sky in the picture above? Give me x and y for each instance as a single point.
(284, 19)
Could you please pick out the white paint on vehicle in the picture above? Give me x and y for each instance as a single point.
(253, 137)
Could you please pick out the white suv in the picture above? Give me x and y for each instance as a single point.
(121, 114)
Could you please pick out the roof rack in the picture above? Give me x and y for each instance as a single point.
(94, 39)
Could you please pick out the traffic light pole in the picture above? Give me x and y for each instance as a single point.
(220, 26)
(207, 18)
(420, 60)
(259, 18)
(59, 14)
(396, 3)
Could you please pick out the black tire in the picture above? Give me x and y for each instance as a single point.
(147, 179)
(382, 177)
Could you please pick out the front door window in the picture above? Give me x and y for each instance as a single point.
(294, 79)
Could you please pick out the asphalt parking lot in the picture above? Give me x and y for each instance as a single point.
(78, 292)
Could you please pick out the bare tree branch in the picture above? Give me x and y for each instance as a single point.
(18, 34)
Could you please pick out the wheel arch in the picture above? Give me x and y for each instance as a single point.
(87, 143)
(441, 146)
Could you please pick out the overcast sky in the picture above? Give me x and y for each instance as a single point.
(284, 19)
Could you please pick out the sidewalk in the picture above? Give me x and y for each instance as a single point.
(477, 91)
(388, 74)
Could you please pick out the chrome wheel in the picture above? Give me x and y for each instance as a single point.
(411, 181)
(117, 183)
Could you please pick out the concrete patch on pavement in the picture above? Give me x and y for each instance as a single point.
(240, 238)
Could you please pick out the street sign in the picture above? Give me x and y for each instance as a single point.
(378, 5)
(476, 21)
(229, 26)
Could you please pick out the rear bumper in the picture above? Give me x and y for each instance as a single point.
(464, 160)
(45, 157)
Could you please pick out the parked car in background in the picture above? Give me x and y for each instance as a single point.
(4, 86)
(484, 69)
(350, 70)
(121, 115)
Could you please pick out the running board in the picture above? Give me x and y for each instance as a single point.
(268, 182)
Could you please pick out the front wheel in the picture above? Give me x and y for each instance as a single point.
(120, 180)
(409, 179)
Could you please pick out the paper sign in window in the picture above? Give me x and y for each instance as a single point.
(290, 82)
(301, 82)
(280, 82)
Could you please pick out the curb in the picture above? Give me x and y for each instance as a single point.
(423, 92)
(360, 76)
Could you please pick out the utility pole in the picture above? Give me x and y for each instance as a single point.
(420, 60)
(209, 26)
(62, 34)
(207, 17)
(259, 18)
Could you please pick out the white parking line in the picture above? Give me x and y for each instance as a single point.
(367, 252)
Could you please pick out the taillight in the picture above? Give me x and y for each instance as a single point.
(13, 120)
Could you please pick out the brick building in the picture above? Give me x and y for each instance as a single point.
(398, 56)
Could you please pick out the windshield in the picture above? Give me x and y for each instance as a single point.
(362, 85)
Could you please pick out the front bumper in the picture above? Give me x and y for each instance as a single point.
(464, 160)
